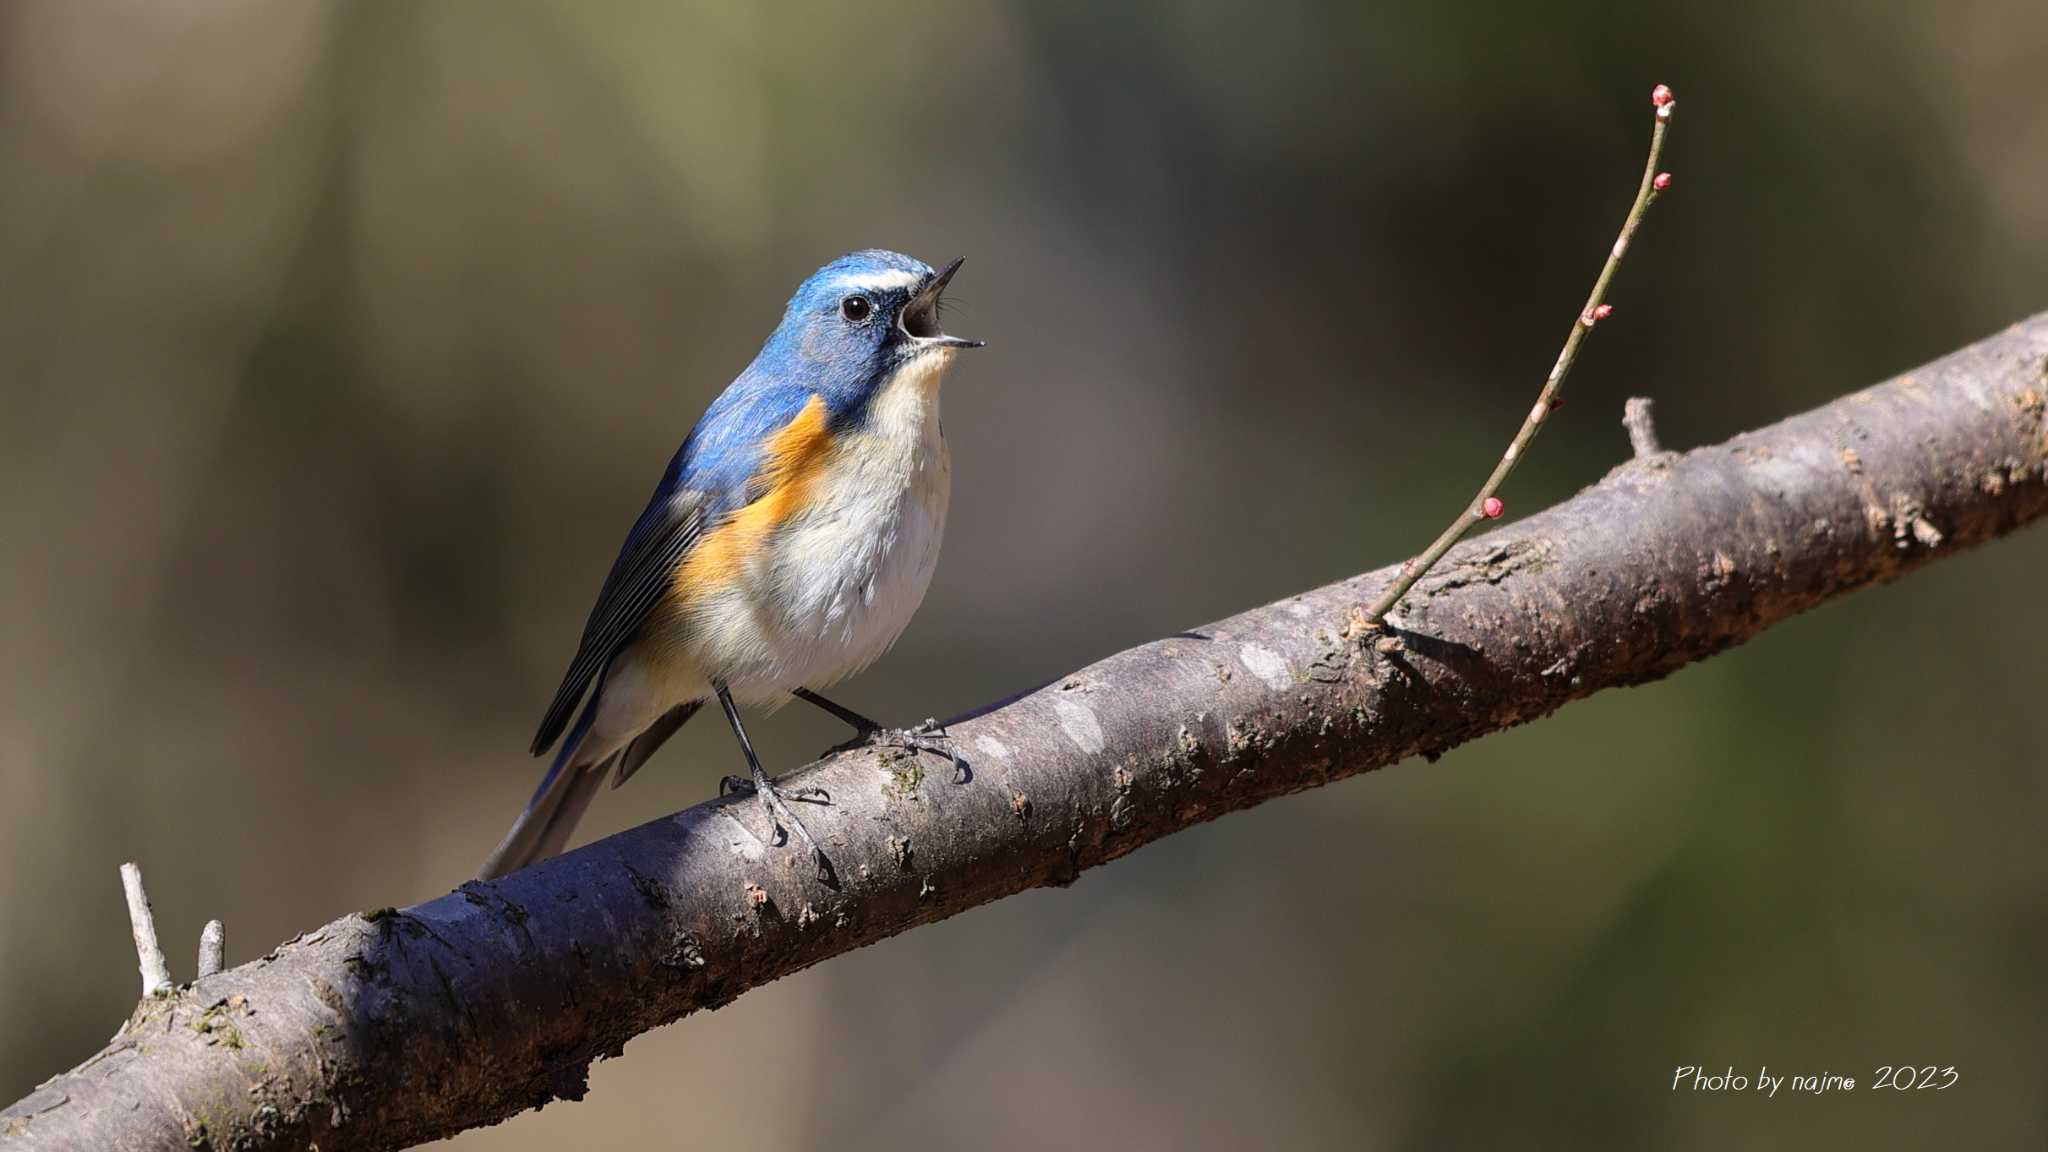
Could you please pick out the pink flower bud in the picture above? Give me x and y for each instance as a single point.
(1661, 95)
(1492, 507)
(1662, 181)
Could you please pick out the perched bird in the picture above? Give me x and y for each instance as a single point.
(786, 547)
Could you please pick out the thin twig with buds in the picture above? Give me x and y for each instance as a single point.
(1486, 505)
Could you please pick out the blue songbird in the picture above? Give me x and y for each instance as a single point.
(786, 547)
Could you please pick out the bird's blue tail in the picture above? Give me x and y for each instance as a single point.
(543, 830)
(550, 817)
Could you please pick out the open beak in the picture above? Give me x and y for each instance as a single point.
(921, 316)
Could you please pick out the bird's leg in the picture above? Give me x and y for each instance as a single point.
(929, 736)
(862, 726)
(772, 797)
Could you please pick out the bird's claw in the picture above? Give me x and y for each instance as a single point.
(928, 736)
(741, 786)
(782, 820)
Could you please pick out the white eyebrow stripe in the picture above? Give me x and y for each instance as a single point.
(881, 281)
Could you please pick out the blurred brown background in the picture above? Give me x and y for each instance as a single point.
(340, 343)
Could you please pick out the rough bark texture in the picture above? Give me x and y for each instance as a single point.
(387, 1029)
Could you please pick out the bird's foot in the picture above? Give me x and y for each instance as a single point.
(930, 736)
(775, 801)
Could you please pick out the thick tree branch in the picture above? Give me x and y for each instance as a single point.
(385, 1029)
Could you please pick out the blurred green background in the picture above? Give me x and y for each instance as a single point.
(340, 343)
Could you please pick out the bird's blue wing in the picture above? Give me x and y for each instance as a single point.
(643, 571)
(708, 478)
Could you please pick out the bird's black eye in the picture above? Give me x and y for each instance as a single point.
(856, 308)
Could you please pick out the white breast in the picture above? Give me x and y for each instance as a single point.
(841, 580)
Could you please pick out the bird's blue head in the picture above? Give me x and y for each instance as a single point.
(857, 321)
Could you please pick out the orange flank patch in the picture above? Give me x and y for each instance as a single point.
(792, 461)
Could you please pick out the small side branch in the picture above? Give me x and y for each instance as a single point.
(156, 974)
(213, 948)
(1637, 417)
